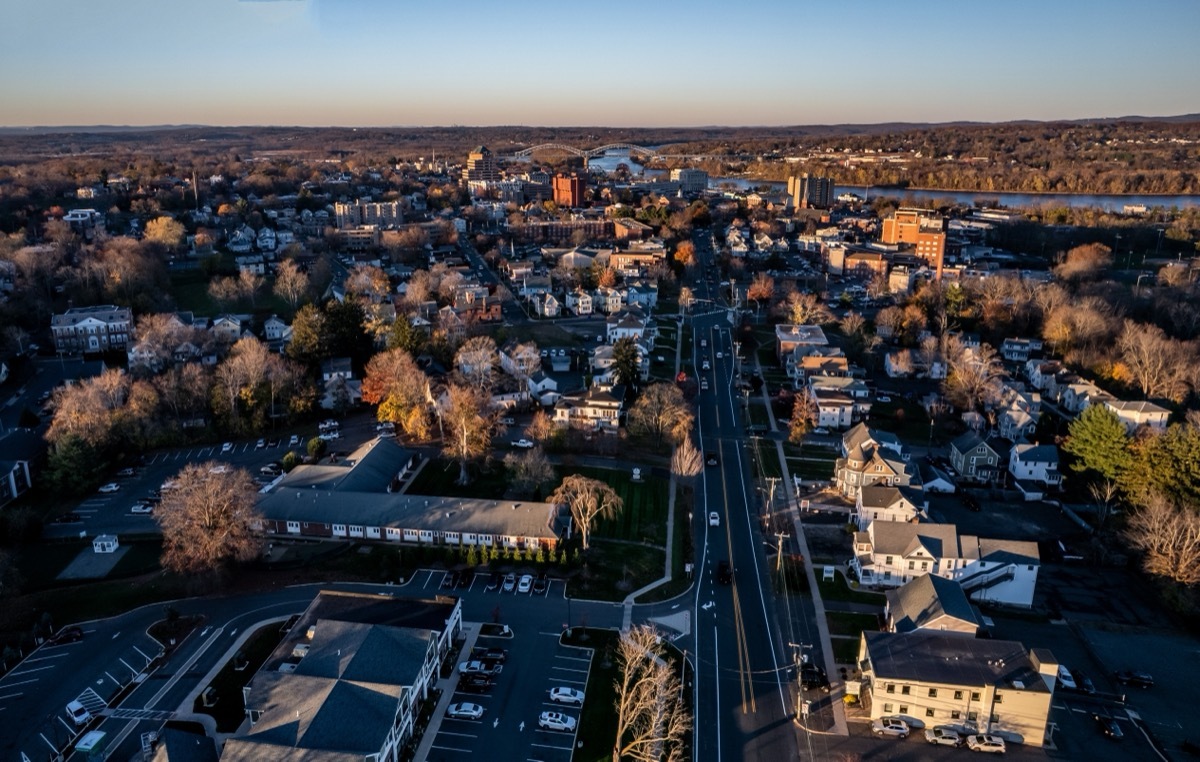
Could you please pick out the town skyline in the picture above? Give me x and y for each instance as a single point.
(318, 63)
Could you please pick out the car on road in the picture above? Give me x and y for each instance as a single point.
(541, 585)
(883, 398)
(67, 635)
(704, 384)
(142, 507)
(110, 488)
(710, 459)
(703, 343)
(1109, 727)
(525, 584)
(943, 736)
(724, 573)
(227, 447)
(714, 519)
(705, 366)
(890, 726)
(78, 714)
(720, 355)
(986, 743)
(67, 518)
(494, 582)
(1132, 677)
(510, 583)
(524, 444)
(480, 668)
(125, 473)
(261, 444)
(556, 721)
(294, 441)
(563, 695)
(464, 711)
(1065, 679)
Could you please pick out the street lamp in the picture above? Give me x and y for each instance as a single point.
(1137, 287)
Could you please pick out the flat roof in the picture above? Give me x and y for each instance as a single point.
(930, 657)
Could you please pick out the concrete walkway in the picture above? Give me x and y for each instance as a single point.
(838, 689)
(446, 685)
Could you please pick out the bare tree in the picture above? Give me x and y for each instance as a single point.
(686, 460)
(902, 362)
(762, 289)
(291, 283)
(165, 231)
(470, 425)
(369, 283)
(1155, 363)
(661, 412)
(541, 428)
(804, 309)
(226, 291)
(476, 359)
(652, 719)
(209, 519)
(805, 416)
(1169, 537)
(1084, 262)
(588, 500)
(973, 379)
(530, 470)
(1104, 495)
(686, 298)
(249, 284)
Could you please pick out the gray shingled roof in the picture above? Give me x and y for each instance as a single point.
(926, 599)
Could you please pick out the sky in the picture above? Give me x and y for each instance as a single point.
(631, 63)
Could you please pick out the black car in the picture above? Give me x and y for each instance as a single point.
(475, 683)
(813, 678)
(67, 635)
(724, 573)
(710, 459)
(541, 585)
(68, 518)
(1131, 677)
(1109, 727)
(1084, 683)
(494, 582)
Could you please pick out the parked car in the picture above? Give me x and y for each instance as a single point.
(329, 436)
(562, 695)
(480, 668)
(494, 582)
(1065, 679)
(943, 736)
(142, 507)
(110, 488)
(125, 473)
(68, 518)
(1109, 727)
(541, 585)
(556, 721)
(227, 447)
(986, 743)
(510, 583)
(1130, 677)
(489, 654)
(525, 584)
(67, 635)
(464, 711)
(1085, 683)
(475, 683)
(78, 714)
(524, 444)
(261, 444)
(270, 470)
(710, 459)
(890, 726)
(820, 430)
(813, 678)
(294, 441)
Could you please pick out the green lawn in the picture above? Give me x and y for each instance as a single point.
(39, 564)
(613, 570)
(230, 709)
(543, 334)
(190, 290)
(681, 554)
(758, 415)
(142, 557)
(768, 460)
(644, 517)
(440, 476)
(843, 623)
(845, 650)
(837, 590)
(811, 468)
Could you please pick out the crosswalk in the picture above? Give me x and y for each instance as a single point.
(141, 714)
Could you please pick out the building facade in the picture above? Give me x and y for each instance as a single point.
(918, 228)
(569, 190)
(92, 329)
(811, 192)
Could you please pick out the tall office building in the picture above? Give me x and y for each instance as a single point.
(691, 181)
(926, 232)
(481, 166)
(811, 192)
(568, 190)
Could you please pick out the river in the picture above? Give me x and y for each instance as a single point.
(1110, 203)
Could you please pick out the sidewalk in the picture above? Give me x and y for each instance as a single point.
(837, 689)
(446, 685)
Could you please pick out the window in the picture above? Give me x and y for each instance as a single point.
(904, 709)
(891, 688)
(933, 693)
(905, 690)
(924, 566)
(888, 560)
(887, 708)
(999, 698)
(955, 714)
(958, 695)
(972, 716)
(912, 565)
(928, 712)
(974, 695)
(994, 717)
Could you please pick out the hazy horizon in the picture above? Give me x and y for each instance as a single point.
(377, 64)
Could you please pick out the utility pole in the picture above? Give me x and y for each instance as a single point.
(779, 538)
(801, 717)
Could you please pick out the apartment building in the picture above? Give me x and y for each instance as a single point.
(924, 231)
(569, 190)
(384, 215)
(92, 329)
(811, 192)
(979, 686)
(481, 166)
(691, 181)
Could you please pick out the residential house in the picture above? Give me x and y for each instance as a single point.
(227, 328)
(930, 603)
(975, 685)
(1018, 412)
(20, 452)
(1137, 414)
(92, 329)
(816, 361)
(591, 410)
(535, 285)
(627, 325)
(274, 329)
(543, 388)
(608, 300)
(642, 294)
(835, 410)
(265, 240)
(1020, 350)
(579, 302)
(880, 503)
(348, 681)
(854, 388)
(1034, 468)
(241, 240)
(602, 361)
(546, 306)
(251, 263)
(1041, 373)
(1078, 396)
(975, 459)
(789, 337)
(871, 457)
(935, 480)
(890, 553)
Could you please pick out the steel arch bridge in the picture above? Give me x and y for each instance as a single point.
(585, 153)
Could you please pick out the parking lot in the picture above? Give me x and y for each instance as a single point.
(534, 664)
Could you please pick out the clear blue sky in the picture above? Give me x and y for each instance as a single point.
(619, 62)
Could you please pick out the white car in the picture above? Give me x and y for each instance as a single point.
(1065, 679)
(227, 447)
(720, 355)
(294, 441)
(704, 384)
(883, 398)
(78, 714)
(110, 487)
(480, 668)
(992, 744)
(142, 508)
(820, 430)
(943, 736)
(524, 444)
(329, 436)
(563, 695)
(890, 726)
(221, 469)
(705, 366)
(714, 519)
(464, 711)
(525, 584)
(260, 444)
(556, 721)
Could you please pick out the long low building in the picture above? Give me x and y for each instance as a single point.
(354, 499)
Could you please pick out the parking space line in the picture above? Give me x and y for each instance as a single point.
(571, 669)
(70, 729)
(52, 746)
(11, 695)
(573, 658)
(548, 746)
(131, 669)
(143, 653)
(110, 677)
(23, 682)
(30, 671)
(58, 655)
(451, 748)
(464, 735)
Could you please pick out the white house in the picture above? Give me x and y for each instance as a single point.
(592, 410)
(608, 300)
(1078, 396)
(879, 503)
(274, 328)
(625, 325)
(1136, 414)
(265, 240)
(891, 553)
(835, 410)
(1034, 468)
(579, 302)
(252, 263)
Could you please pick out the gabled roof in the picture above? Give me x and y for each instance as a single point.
(1028, 453)
(896, 538)
(965, 443)
(923, 601)
(876, 496)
